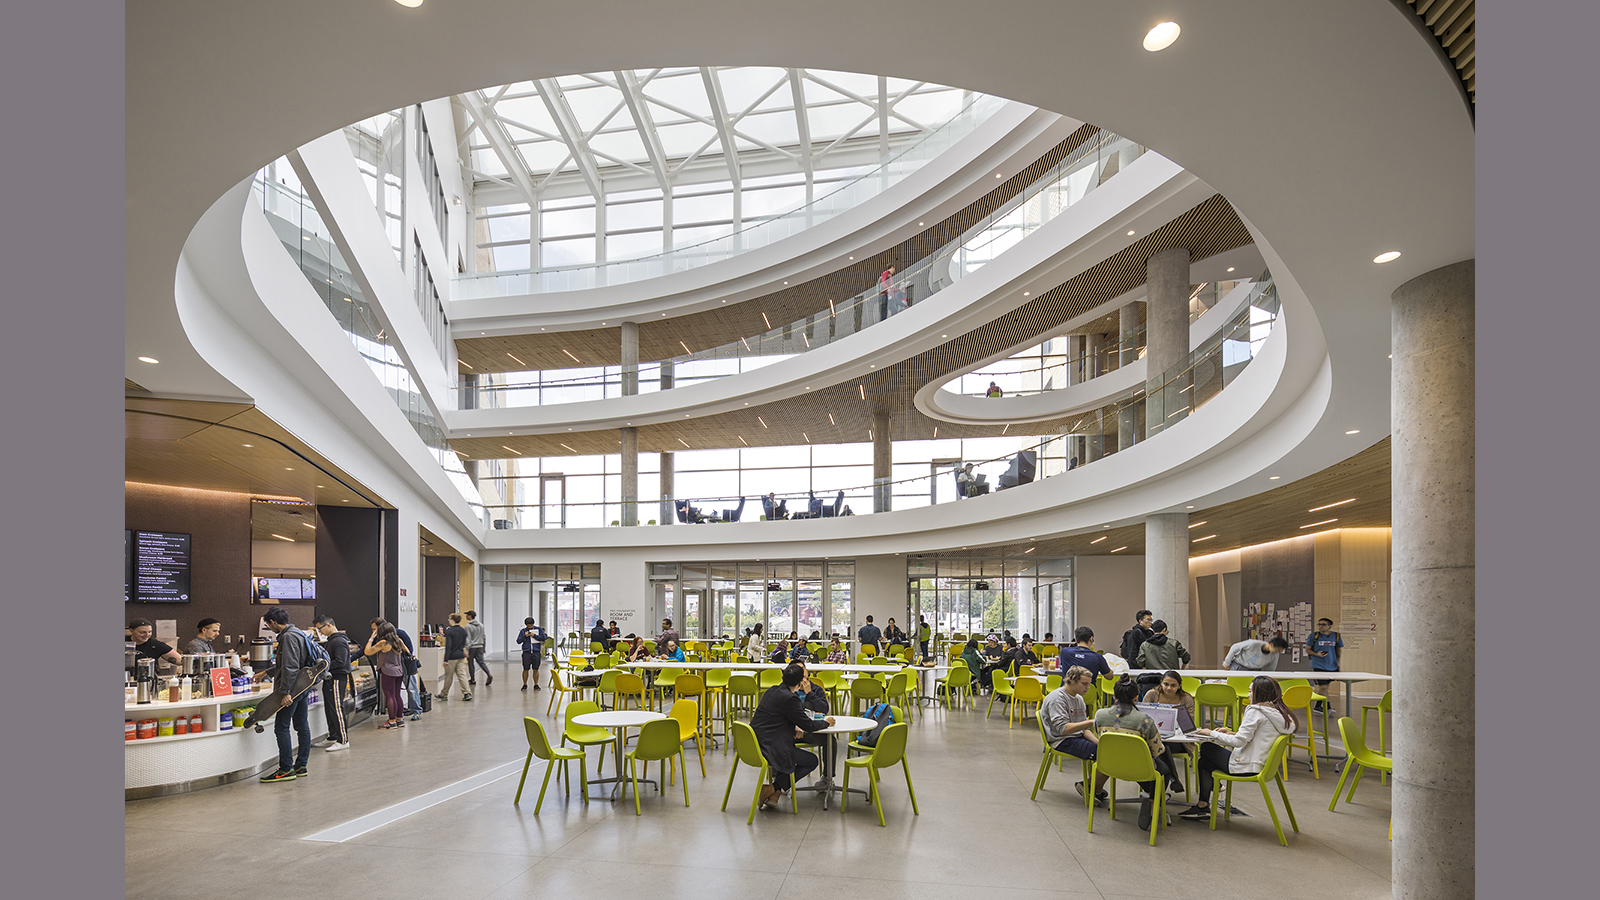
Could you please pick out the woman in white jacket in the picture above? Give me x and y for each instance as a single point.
(1264, 719)
(756, 647)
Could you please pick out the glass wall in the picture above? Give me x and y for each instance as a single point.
(727, 599)
(564, 598)
(981, 595)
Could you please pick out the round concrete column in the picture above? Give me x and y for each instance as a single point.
(630, 358)
(1431, 612)
(1166, 573)
(882, 464)
(1166, 311)
(630, 476)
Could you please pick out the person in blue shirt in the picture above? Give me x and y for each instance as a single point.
(671, 651)
(870, 636)
(532, 638)
(1324, 647)
(1082, 653)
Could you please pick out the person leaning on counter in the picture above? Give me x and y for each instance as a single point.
(142, 633)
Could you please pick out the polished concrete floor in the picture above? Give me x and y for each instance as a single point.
(978, 831)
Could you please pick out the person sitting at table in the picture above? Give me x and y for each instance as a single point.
(1245, 751)
(816, 635)
(614, 631)
(836, 651)
(780, 652)
(637, 651)
(780, 717)
(601, 635)
(814, 697)
(970, 656)
(1123, 716)
(1023, 655)
(1065, 717)
(672, 652)
(799, 652)
(1170, 692)
(894, 634)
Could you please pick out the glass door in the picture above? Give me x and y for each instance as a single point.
(552, 501)
(808, 598)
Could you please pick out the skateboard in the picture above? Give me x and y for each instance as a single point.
(269, 705)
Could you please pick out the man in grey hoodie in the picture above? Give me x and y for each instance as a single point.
(476, 641)
(1161, 650)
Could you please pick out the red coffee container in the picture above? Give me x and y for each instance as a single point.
(147, 728)
(131, 731)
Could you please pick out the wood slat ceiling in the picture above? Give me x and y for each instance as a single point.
(1269, 516)
(660, 340)
(1453, 24)
(199, 444)
(269, 521)
(843, 413)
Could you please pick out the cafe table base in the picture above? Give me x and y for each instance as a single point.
(826, 785)
(620, 721)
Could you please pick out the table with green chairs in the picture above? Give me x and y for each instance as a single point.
(619, 721)
(826, 784)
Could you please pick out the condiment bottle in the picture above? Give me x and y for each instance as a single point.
(174, 690)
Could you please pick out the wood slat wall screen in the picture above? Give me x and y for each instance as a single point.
(660, 340)
(843, 413)
(1454, 24)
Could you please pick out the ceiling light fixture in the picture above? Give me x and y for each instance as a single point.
(282, 538)
(519, 362)
(1098, 539)
(1331, 505)
(683, 442)
(863, 389)
(1188, 507)
(465, 363)
(569, 448)
(1231, 268)
(563, 350)
(1030, 549)
(762, 421)
(1199, 523)
(766, 320)
(919, 224)
(1027, 294)
(1353, 431)
(1315, 524)
(149, 359)
(1273, 477)
(513, 451)
(409, 4)
(247, 445)
(830, 419)
(806, 436)
(1161, 37)
(1119, 549)
(743, 441)
(944, 335)
(1199, 539)
(288, 468)
(1386, 256)
(997, 174)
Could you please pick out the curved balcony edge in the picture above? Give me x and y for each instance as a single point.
(946, 184)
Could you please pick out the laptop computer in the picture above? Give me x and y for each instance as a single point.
(1166, 717)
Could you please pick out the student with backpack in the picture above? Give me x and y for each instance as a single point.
(296, 653)
(1133, 639)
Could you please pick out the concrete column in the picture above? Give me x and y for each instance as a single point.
(630, 358)
(1094, 346)
(666, 375)
(1166, 572)
(1432, 417)
(1074, 359)
(669, 514)
(630, 476)
(1127, 351)
(882, 464)
(1166, 311)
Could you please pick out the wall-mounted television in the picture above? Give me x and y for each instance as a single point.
(159, 563)
(269, 589)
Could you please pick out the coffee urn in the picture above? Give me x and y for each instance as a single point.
(261, 654)
(144, 680)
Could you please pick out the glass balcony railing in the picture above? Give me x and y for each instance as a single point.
(1051, 367)
(300, 228)
(751, 235)
(1093, 163)
(1090, 436)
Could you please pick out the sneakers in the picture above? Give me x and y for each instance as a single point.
(472, 681)
(1100, 800)
(336, 745)
(769, 796)
(280, 775)
(300, 772)
(538, 687)
(1146, 807)
(1196, 812)
(487, 679)
(466, 696)
(524, 687)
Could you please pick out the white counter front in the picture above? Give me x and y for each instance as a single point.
(157, 766)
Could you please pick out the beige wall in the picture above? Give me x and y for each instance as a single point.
(1107, 591)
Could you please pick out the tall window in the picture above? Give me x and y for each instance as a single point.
(428, 303)
(432, 184)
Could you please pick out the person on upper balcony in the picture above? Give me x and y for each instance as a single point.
(884, 282)
(994, 390)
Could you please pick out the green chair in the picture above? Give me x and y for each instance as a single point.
(829, 679)
(1271, 770)
(1051, 682)
(1190, 684)
(539, 745)
(1241, 691)
(1002, 688)
(1358, 757)
(1287, 683)
(896, 715)
(867, 689)
(1298, 698)
(604, 660)
(558, 692)
(1126, 757)
(658, 740)
(1208, 697)
(891, 750)
(687, 714)
(716, 688)
(747, 749)
(585, 735)
(770, 678)
(1385, 705)
(608, 685)
(740, 698)
(597, 647)
(1052, 755)
(1027, 690)
(957, 683)
(628, 684)
(899, 688)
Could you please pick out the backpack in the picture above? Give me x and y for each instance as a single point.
(318, 653)
(884, 716)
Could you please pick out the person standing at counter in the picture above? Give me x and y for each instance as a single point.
(205, 633)
(337, 643)
(455, 659)
(476, 641)
(384, 648)
(142, 633)
(294, 654)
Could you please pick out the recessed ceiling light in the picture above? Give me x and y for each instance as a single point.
(1188, 507)
(1199, 539)
(282, 538)
(288, 468)
(944, 335)
(1130, 233)
(602, 323)
(1161, 36)
(1119, 549)
(409, 4)
(919, 223)
(1095, 541)
(1230, 268)
(852, 257)
(148, 359)
(305, 237)
(872, 367)
(1331, 505)
(1386, 256)
(1273, 477)
(1315, 524)
(786, 282)
(247, 445)
(997, 174)
(1027, 294)
(1353, 431)
(319, 485)
(1198, 524)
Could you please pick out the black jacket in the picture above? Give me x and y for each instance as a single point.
(894, 635)
(455, 643)
(599, 633)
(778, 714)
(338, 647)
(1132, 640)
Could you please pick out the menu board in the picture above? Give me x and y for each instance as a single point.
(268, 589)
(127, 565)
(161, 567)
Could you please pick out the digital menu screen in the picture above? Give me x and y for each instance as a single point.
(286, 588)
(127, 565)
(160, 567)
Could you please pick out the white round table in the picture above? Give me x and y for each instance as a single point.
(620, 720)
(841, 725)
